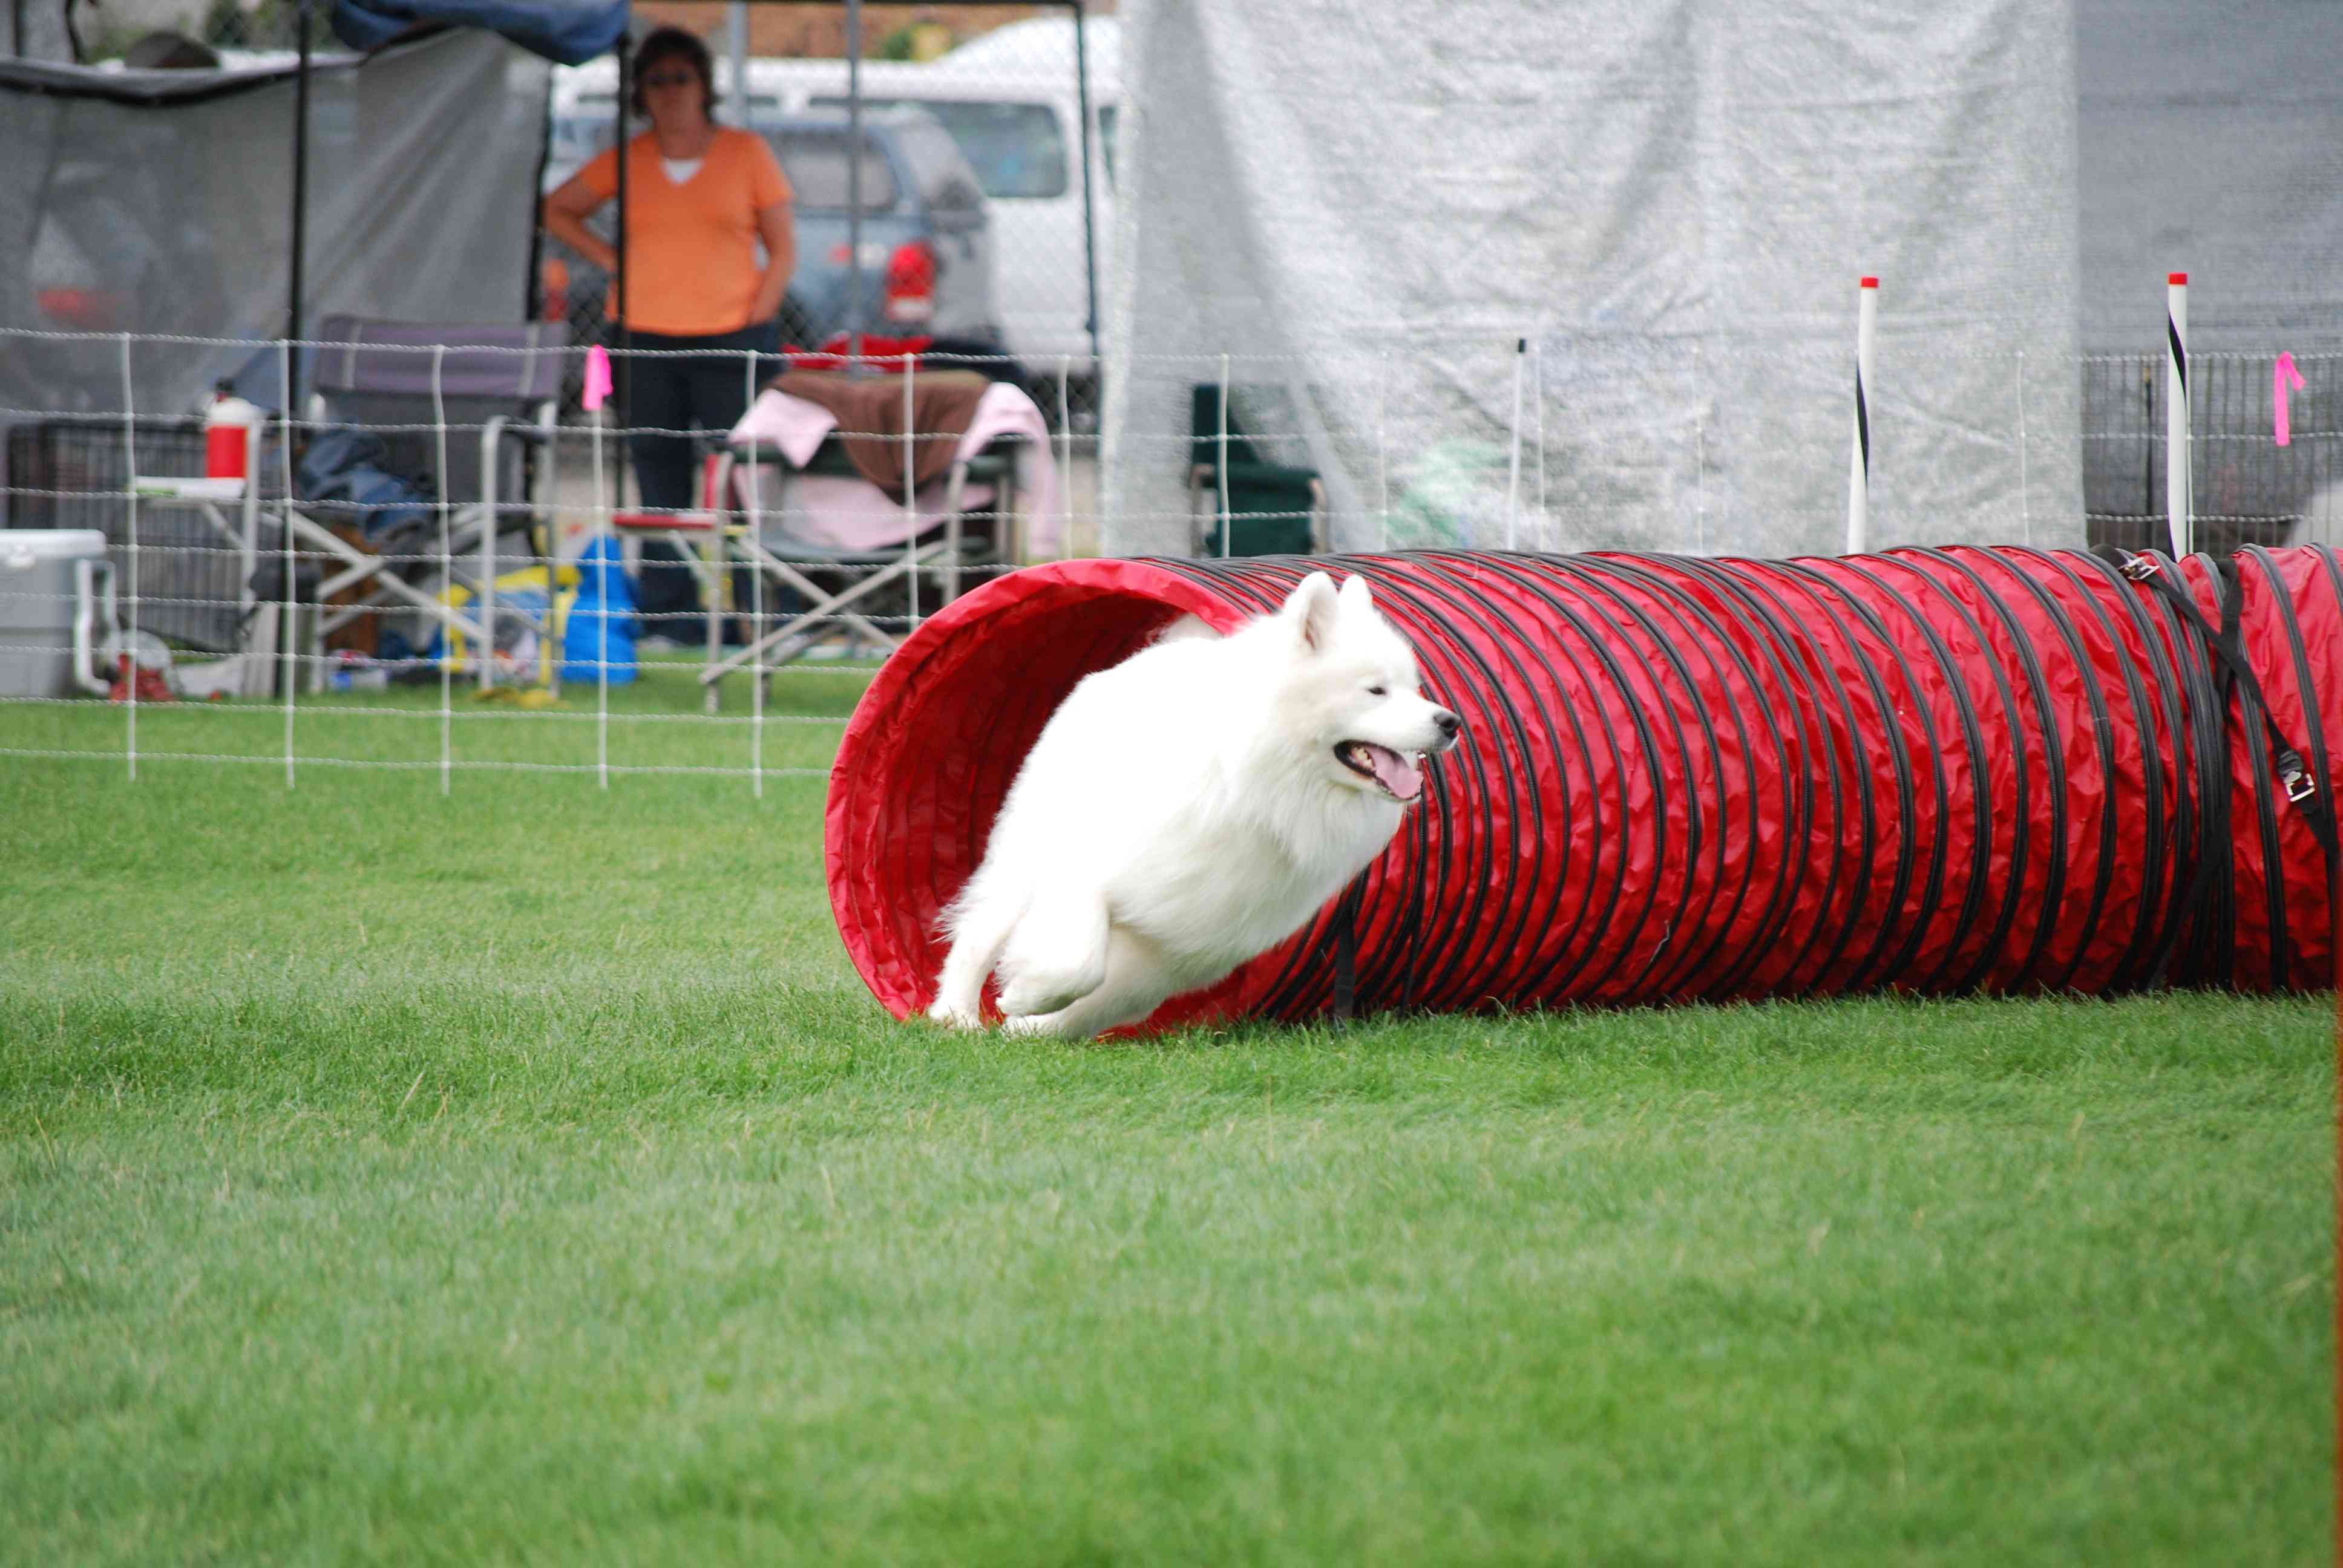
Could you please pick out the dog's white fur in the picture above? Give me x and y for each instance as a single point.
(1188, 809)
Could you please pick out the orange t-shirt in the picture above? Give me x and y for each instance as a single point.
(691, 249)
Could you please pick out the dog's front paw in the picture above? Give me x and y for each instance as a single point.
(951, 1017)
(1033, 1024)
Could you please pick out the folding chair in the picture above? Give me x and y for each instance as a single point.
(1248, 505)
(495, 389)
(741, 523)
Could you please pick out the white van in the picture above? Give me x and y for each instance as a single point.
(1009, 100)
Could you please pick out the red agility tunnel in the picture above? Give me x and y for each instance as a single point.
(1939, 770)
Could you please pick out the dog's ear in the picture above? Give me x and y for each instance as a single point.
(1313, 606)
(1355, 596)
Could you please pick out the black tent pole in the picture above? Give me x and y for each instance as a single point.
(618, 274)
(293, 322)
(1089, 223)
(854, 184)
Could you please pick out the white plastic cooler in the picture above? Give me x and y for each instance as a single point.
(50, 580)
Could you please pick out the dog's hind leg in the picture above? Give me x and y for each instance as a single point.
(979, 934)
(1135, 985)
(1057, 955)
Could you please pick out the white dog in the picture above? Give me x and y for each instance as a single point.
(1190, 809)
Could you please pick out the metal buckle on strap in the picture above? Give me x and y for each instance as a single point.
(2139, 568)
(2300, 781)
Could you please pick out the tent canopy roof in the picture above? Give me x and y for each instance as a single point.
(568, 31)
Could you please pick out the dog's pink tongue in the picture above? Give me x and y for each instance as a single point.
(1396, 773)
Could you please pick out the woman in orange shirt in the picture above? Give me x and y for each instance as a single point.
(703, 200)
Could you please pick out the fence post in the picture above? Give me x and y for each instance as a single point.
(718, 503)
(1858, 475)
(288, 671)
(126, 665)
(1514, 471)
(1220, 459)
(484, 645)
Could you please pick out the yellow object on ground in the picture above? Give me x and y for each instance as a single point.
(525, 584)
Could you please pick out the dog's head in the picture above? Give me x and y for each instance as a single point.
(1350, 694)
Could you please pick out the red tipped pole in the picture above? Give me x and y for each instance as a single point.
(2179, 508)
(1858, 472)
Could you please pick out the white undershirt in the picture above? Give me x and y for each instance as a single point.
(679, 170)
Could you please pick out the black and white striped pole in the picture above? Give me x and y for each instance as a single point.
(1858, 473)
(2180, 512)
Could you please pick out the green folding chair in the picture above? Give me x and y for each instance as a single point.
(1254, 507)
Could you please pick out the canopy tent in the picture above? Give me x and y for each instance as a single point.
(566, 32)
(147, 211)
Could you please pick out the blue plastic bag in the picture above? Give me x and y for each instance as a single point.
(600, 629)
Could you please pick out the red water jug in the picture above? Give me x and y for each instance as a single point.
(228, 421)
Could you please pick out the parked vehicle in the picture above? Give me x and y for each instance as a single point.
(1008, 99)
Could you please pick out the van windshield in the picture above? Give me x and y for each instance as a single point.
(1016, 149)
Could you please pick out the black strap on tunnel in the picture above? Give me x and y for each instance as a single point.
(2280, 762)
(1346, 949)
(2315, 755)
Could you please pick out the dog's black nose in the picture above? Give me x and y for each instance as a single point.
(1448, 722)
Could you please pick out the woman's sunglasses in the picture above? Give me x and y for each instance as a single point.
(669, 79)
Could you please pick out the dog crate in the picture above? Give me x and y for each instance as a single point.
(68, 472)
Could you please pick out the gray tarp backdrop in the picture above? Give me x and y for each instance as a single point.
(2212, 142)
(160, 202)
(1672, 204)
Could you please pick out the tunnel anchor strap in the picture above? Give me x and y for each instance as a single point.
(2302, 786)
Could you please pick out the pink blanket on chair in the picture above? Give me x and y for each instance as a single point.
(854, 514)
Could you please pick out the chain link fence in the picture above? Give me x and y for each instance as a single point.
(2248, 489)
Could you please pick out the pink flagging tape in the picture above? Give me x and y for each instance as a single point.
(2284, 373)
(597, 377)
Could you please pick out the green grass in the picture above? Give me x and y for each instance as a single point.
(522, 1174)
(655, 724)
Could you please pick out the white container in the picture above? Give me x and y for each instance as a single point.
(48, 577)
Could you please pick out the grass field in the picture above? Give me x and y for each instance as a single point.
(523, 1175)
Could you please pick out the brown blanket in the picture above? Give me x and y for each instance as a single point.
(870, 412)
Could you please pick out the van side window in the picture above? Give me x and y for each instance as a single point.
(1017, 149)
(938, 169)
(816, 162)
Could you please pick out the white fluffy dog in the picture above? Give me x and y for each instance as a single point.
(1190, 809)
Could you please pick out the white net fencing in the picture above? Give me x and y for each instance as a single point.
(189, 646)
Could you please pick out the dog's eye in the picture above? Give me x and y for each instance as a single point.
(1379, 692)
